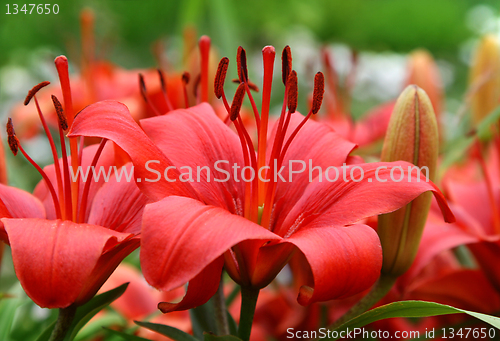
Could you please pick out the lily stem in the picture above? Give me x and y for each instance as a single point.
(378, 291)
(63, 323)
(248, 302)
(219, 303)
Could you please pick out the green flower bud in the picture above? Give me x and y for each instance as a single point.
(412, 136)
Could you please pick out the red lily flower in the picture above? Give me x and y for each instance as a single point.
(196, 227)
(69, 236)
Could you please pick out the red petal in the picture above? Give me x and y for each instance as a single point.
(316, 143)
(439, 236)
(106, 160)
(118, 205)
(200, 289)
(197, 137)
(54, 260)
(342, 202)
(182, 236)
(16, 203)
(344, 260)
(112, 120)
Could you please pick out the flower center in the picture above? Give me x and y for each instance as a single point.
(261, 191)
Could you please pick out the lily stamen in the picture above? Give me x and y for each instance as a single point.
(63, 124)
(15, 146)
(144, 93)
(185, 81)
(164, 90)
(86, 188)
(61, 63)
(32, 94)
(204, 45)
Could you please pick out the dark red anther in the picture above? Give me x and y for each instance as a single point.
(286, 63)
(220, 77)
(34, 90)
(186, 77)
(241, 61)
(142, 86)
(63, 123)
(237, 101)
(319, 90)
(292, 91)
(13, 141)
(162, 81)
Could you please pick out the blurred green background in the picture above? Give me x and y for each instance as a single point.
(126, 30)
(129, 27)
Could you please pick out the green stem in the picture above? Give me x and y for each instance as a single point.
(63, 323)
(248, 302)
(379, 290)
(219, 302)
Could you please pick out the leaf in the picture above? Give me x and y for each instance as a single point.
(125, 336)
(171, 332)
(411, 309)
(211, 337)
(85, 312)
(202, 319)
(233, 328)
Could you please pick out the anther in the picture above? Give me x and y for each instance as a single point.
(241, 60)
(319, 90)
(34, 90)
(186, 77)
(220, 77)
(162, 81)
(237, 101)
(292, 91)
(13, 141)
(286, 63)
(63, 123)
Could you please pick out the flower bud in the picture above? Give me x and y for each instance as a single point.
(423, 72)
(412, 136)
(485, 78)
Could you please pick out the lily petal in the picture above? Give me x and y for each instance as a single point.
(316, 144)
(112, 120)
(341, 202)
(197, 137)
(118, 205)
(55, 272)
(344, 260)
(181, 236)
(200, 289)
(16, 203)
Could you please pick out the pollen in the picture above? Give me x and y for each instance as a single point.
(34, 90)
(286, 64)
(13, 141)
(63, 123)
(241, 61)
(237, 101)
(319, 90)
(292, 92)
(220, 77)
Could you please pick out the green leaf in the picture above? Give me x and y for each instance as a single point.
(233, 327)
(412, 309)
(85, 312)
(212, 337)
(171, 332)
(202, 319)
(125, 336)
